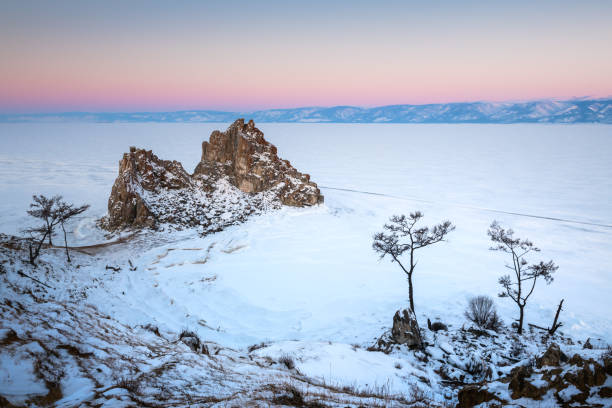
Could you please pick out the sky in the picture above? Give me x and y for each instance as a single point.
(121, 56)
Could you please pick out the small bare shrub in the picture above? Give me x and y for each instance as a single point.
(287, 361)
(481, 311)
(476, 366)
(130, 384)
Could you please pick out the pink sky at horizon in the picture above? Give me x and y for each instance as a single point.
(155, 57)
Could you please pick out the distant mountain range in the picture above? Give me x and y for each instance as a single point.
(546, 111)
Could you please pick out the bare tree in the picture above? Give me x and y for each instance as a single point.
(525, 274)
(45, 208)
(66, 212)
(556, 323)
(52, 211)
(402, 235)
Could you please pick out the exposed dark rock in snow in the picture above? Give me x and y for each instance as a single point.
(435, 326)
(473, 395)
(405, 331)
(405, 328)
(575, 382)
(240, 174)
(552, 357)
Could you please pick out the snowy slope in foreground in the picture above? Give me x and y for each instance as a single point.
(253, 293)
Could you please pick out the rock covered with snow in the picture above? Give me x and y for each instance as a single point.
(569, 382)
(406, 329)
(252, 164)
(141, 172)
(240, 174)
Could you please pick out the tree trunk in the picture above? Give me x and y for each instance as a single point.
(38, 247)
(31, 254)
(66, 243)
(520, 328)
(556, 325)
(410, 292)
(410, 279)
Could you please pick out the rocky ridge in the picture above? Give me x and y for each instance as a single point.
(240, 174)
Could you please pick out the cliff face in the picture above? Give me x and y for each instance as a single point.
(141, 173)
(240, 174)
(251, 163)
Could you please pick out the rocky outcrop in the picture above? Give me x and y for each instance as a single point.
(251, 163)
(553, 357)
(573, 382)
(240, 174)
(521, 386)
(473, 395)
(142, 173)
(405, 329)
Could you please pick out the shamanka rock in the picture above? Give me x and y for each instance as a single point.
(252, 165)
(240, 174)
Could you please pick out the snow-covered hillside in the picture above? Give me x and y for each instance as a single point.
(302, 281)
(544, 111)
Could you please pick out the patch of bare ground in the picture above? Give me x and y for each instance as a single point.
(233, 249)
(95, 249)
(167, 251)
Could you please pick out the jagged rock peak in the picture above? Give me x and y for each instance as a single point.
(240, 174)
(252, 164)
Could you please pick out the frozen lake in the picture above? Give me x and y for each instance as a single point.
(470, 174)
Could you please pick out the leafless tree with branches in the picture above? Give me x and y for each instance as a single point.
(526, 275)
(402, 235)
(45, 209)
(53, 212)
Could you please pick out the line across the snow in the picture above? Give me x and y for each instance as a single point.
(469, 207)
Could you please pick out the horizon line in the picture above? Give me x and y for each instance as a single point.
(250, 111)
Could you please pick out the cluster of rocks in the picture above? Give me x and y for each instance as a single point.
(406, 332)
(574, 381)
(240, 174)
(497, 368)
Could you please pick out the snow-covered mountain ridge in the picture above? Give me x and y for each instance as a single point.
(544, 111)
